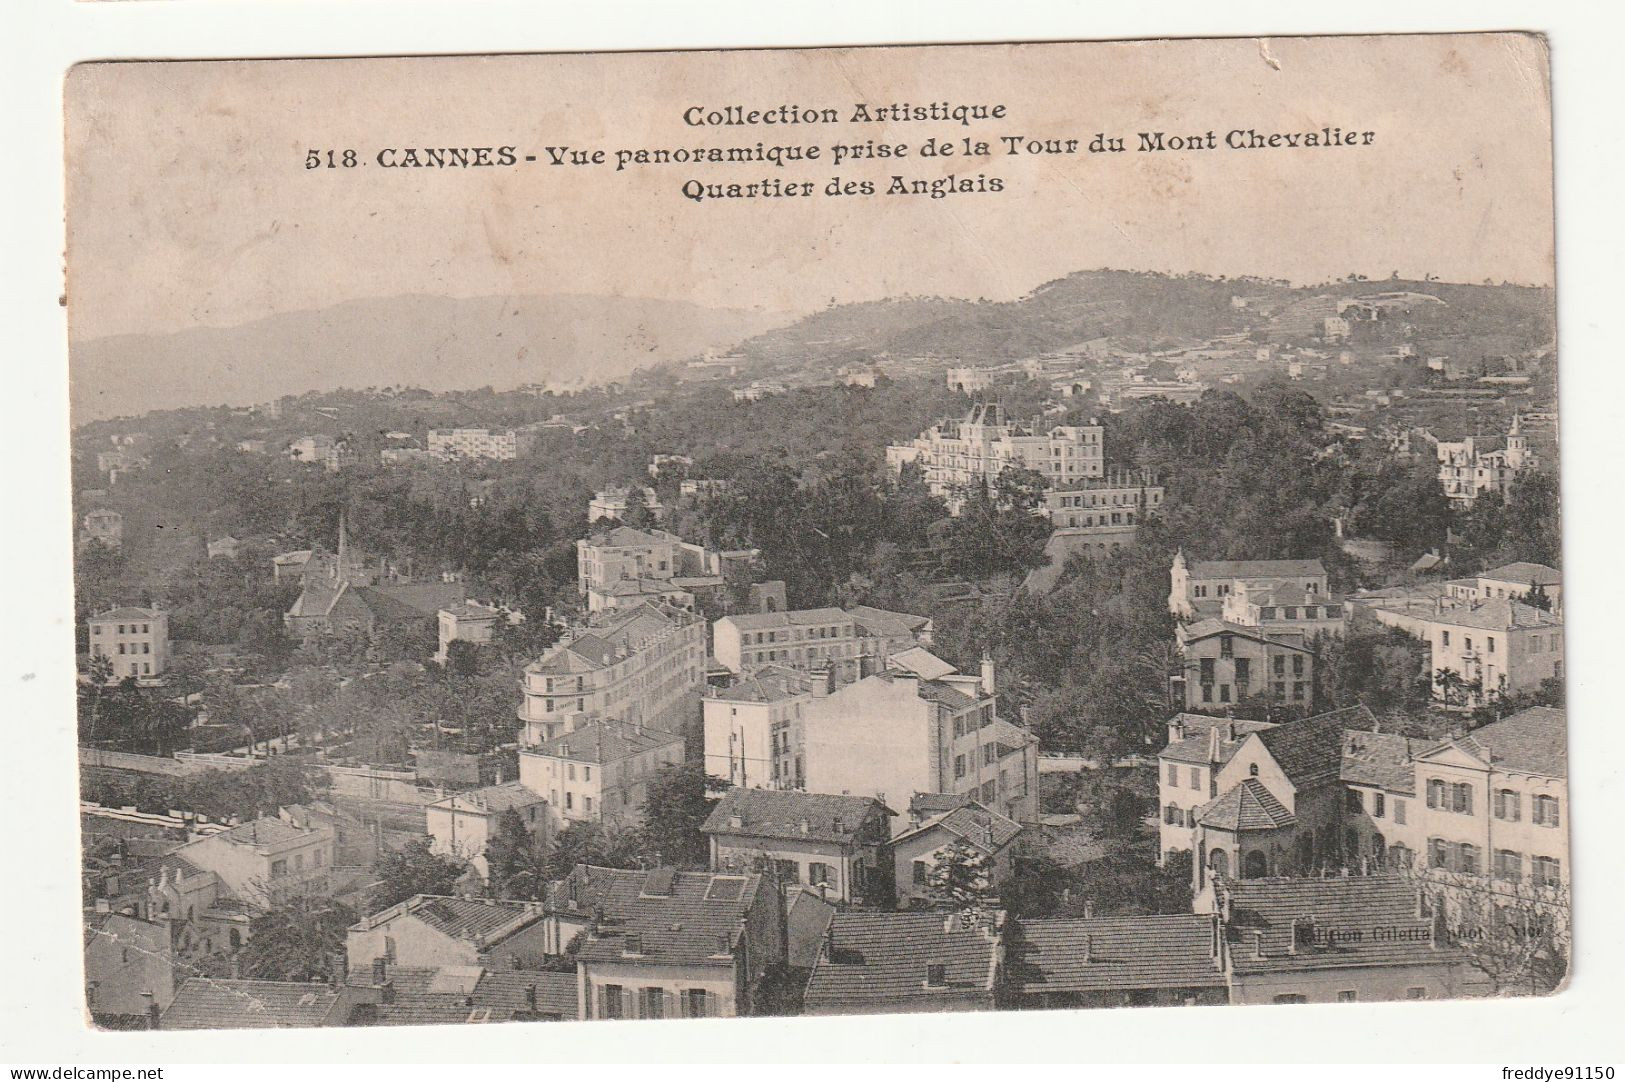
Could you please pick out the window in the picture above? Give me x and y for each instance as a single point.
(1348, 995)
(1297, 691)
(1436, 798)
(654, 1002)
(921, 868)
(1490, 644)
(1508, 865)
(1252, 770)
(1243, 674)
(1444, 638)
(1508, 805)
(1399, 812)
(586, 773)
(1290, 612)
(1545, 811)
(1280, 689)
(1173, 774)
(1280, 664)
(1224, 693)
(1205, 677)
(1227, 646)
(1545, 871)
(1467, 643)
(1297, 664)
(818, 872)
(1461, 798)
(570, 769)
(569, 800)
(698, 1002)
(279, 868)
(1207, 693)
(1378, 805)
(1171, 815)
(586, 805)
(121, 648)
(1196, 777)
(1438, 853)
(1416, 993)
(1467, 858)
(959, 766)
(1291, 997)
(611, 1002)
(990, 754)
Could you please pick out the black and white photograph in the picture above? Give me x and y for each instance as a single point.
(799, 532)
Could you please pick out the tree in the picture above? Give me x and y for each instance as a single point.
(676, 807)
(515, 860)
(300, 939)
(1516, 931)
(589, 843)
(410, 870)
(958, 879)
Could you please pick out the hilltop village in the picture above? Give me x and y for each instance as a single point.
(1147, 669)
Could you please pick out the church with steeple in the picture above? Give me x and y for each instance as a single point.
(343, 593)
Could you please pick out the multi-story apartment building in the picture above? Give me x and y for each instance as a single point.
(503, 445)
(836, 845)
(856, 642)
(1470, 467)
(1108, 504)
(598, 772)
(1223, 663)
(266, 861)
(1199, 588)
(643, 666)
(753, 733)
(1282, 608)
(466, 621)
(921, 727)
(958, 455)
(1485, 649)
(134, 640)
(622, 567)
(1516, 581)
(671, 944)
(463, 824)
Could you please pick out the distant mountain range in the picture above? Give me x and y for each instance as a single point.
(1107, 303)
(437, 343)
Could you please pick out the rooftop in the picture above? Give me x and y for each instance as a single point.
(1533, 741)
(1311, 751)
(1206, 629)
(882, 623)
(129, 612)
(987, 830)
(604, 742)
(884, 956)
(492, 799)
(680, 918)
(475, 920)
(212, 1003)
(783, 814)
(1114, 954)
(1384, 760)
(1529, 574)
(770, 684)
(1343, 921)
(265, 831)
(1255, 569)
(761, 621)
(1497, 614)
(1247, 805)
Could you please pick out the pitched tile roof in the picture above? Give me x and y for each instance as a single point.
(772, 813)
(581, 892)
(1311, 751)
(1113, 954)
(761, 621)
(452, 995)
(212, 1003)
(683, 918)
(628, 537)
(1525, 572)
(987, 830)
(1497, 614)
(483, 921)
(1385, 760)
(1194, 747)
(882, 623)
(128, 612)
(769, 684)
(1358, 921)
(1206, 629)
(921, 662)
(493, 799)
(807, 921)
(604, 742)
(602, 641)
(401, 602)
(263, 831)
(1247, 805)
(1255, 569)
(883, 956)
(1532, 741)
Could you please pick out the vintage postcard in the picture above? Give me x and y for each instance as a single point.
(830, 531)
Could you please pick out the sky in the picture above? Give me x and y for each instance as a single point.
(190, 202)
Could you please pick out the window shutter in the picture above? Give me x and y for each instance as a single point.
(1551, 811)
(630, 1010)
(603, 1002)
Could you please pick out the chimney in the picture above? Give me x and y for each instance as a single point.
(805, 826)
(530, 998)
(1213, 745)
(936, 975)
(1230, 730)
(380, 971)
(152, 1010)
(386, 993)
(988, 683)
(1088, 909)
(1088, 949)
(1176, 728)
(1258, 944)
(1214, 937)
